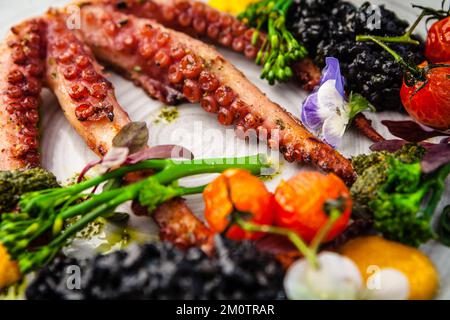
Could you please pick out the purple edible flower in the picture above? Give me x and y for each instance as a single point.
(327, 112)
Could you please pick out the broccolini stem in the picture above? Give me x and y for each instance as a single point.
(105, 202)
(173, 171)
(61, 195)
(185, 168)
(438, 188)
(106, 207)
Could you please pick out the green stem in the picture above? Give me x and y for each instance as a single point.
(405, 38)
(402, 39)
(302, 247)
(190, 191)
(93, 202)
(181, 169)
(91, 216)
(61, 194)
(438, 190)
(396, 56)
(286, 6)
(173, 171)
(103, 203)
(323, 232)
(414, 25)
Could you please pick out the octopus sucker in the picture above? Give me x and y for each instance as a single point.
(21, 58)
(83, 91)
(219, 28)
(43, 51)
(202, 21)
(203, 75)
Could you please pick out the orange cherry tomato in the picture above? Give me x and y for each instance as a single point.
(429, 102)
(437, 48)
(237, 190)
(300, 204)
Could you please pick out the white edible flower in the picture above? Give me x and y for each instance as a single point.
(336, 278)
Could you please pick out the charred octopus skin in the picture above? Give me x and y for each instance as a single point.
(22, 68)
(84, 93)
(219, 28)
(149, 53)
(88, 101)
(202, 21)
(178, 225)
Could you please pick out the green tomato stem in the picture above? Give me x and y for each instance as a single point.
(402, 39)
(301, 246)
(323, 232)
(405, 38)
(396, 56)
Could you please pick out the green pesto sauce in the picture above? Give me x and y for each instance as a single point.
(276, 173)
(167, 114)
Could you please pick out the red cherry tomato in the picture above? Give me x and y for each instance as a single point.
(237, 190)
(438, 41)
(429, 102)
(300, 204)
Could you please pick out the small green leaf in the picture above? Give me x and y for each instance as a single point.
(133, 136)
(444, 226)
(357, 104)
(118, 217)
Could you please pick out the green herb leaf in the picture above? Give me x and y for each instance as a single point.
(357, 104)
(444, 226)
(118, 217)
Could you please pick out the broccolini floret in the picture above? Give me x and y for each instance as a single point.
(398, 196)
(372, 173)
(15, 183)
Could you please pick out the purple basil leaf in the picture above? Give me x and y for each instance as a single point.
(114, 158)
(436, 156)
(411, 131)
(445, 140)
(88, 167)
(133, 136)
(160, 152)
(388, 145)
(275, 245)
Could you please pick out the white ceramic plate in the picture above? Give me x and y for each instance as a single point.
(64, 152)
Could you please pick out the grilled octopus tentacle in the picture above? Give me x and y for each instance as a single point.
(198, 19)
(364, 125)
(84, 93)
(202, 21)
(150, 53)
(181, 227)
(21, 63)
(88, 100)
(77, 80)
